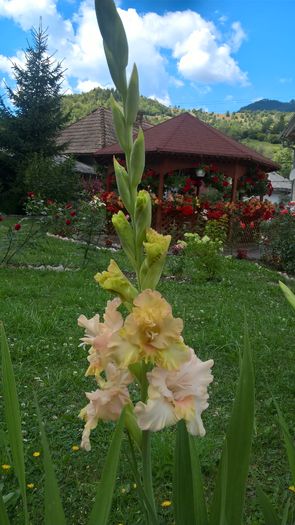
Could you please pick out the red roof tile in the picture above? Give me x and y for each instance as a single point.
(187, 135)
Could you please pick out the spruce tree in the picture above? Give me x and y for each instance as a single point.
(33, 123)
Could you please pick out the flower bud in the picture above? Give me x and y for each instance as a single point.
(132, 99)
(143, 216)
(125, 234)
(137, 159)
(120, 125)
(122, 184)
(156, 249)
(115, 281)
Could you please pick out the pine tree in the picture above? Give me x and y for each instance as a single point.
(31, 127)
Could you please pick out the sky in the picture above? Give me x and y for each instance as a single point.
(217, 55)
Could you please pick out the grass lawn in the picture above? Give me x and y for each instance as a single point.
(40, 310)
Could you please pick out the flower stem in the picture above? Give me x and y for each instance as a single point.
(147, 473)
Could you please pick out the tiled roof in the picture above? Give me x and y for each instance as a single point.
(91, 133)
(187, 135)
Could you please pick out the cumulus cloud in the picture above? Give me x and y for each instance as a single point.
(182, 42)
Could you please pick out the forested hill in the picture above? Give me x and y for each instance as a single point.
(258, 129)
(266, 104)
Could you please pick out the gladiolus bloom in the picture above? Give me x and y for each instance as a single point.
(176, 395)
(150, 333)
(98, 335)
(107, 402)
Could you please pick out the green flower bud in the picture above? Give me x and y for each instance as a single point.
(125, 234)
(143, 216)
(156, 249)
(115, 42)
(137, 159)
(132, 100)
(122, 184)
(122, 132)
(115, 281)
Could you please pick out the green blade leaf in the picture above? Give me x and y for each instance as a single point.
(3, 514)
(188, 495)
(289, 445)
(239, 441)
(288, 294)
(13, 418)
(198, 489)
(53, 506)
(269, 514)
(105, 489)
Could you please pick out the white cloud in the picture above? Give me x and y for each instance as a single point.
(228, 97)
(166, 100)
(222, 19)
(286, 80)
(198, 51)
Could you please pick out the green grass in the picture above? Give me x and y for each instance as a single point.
(40, 310)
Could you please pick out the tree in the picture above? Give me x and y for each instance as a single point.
(36, 118)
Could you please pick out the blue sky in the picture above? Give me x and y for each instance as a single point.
(213, 54)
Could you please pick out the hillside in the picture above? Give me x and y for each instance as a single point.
(260, 130)
(266, 104)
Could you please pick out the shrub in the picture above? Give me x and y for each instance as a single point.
(278, 237)
(203, 256)
(52, 178)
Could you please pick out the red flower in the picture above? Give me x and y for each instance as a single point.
(215, 214)
(252, 225)
(73, 214)
(284, 212)
(215, 179)
(17, 227)
(68, 206)
(187, 210)
(49, 202)
(225, 183)
(31, 194)
(68, 222)
(249, 180)
(1, 218)
(243, 225)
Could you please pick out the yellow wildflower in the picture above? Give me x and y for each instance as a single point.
(292, 488)
(30, 485)
(75, 448)
(134, 485)
(166, 503)
(36, 454)
(150, 333)
(6, 467)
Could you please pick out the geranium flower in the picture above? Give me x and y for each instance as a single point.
(98, 335)
(150, 333)
(176, 395)
(107, 402)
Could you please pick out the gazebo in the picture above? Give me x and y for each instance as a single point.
(184, 142)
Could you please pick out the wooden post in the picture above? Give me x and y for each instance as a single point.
(160, 197)
(110, 171)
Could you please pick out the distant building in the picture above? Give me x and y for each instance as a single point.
(281, 188)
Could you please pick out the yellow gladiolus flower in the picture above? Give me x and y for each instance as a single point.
(115, 281)
(150, 333)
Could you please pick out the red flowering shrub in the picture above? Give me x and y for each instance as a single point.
(254, 182)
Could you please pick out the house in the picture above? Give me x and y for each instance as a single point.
(281, 188)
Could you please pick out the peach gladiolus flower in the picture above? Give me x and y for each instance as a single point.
(107, 402)
(98, 335)
(176, 395)
(151, 333)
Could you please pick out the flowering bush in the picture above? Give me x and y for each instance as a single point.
(203, 255)
(254, 182)
(278, 237)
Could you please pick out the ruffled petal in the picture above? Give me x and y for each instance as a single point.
(155, 415)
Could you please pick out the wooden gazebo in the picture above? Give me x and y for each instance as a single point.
(182, 143)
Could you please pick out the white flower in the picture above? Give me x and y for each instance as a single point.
(176, 395)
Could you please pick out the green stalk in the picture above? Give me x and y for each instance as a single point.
(147, 473)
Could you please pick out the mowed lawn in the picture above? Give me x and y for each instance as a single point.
(40, 309)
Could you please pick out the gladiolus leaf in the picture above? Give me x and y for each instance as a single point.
(238, 445)
(269, 514)
(289, 445)
(13, 418)
(288, 294)
(103, 501)
(3, 514)
(52, 502)
(188, 495)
